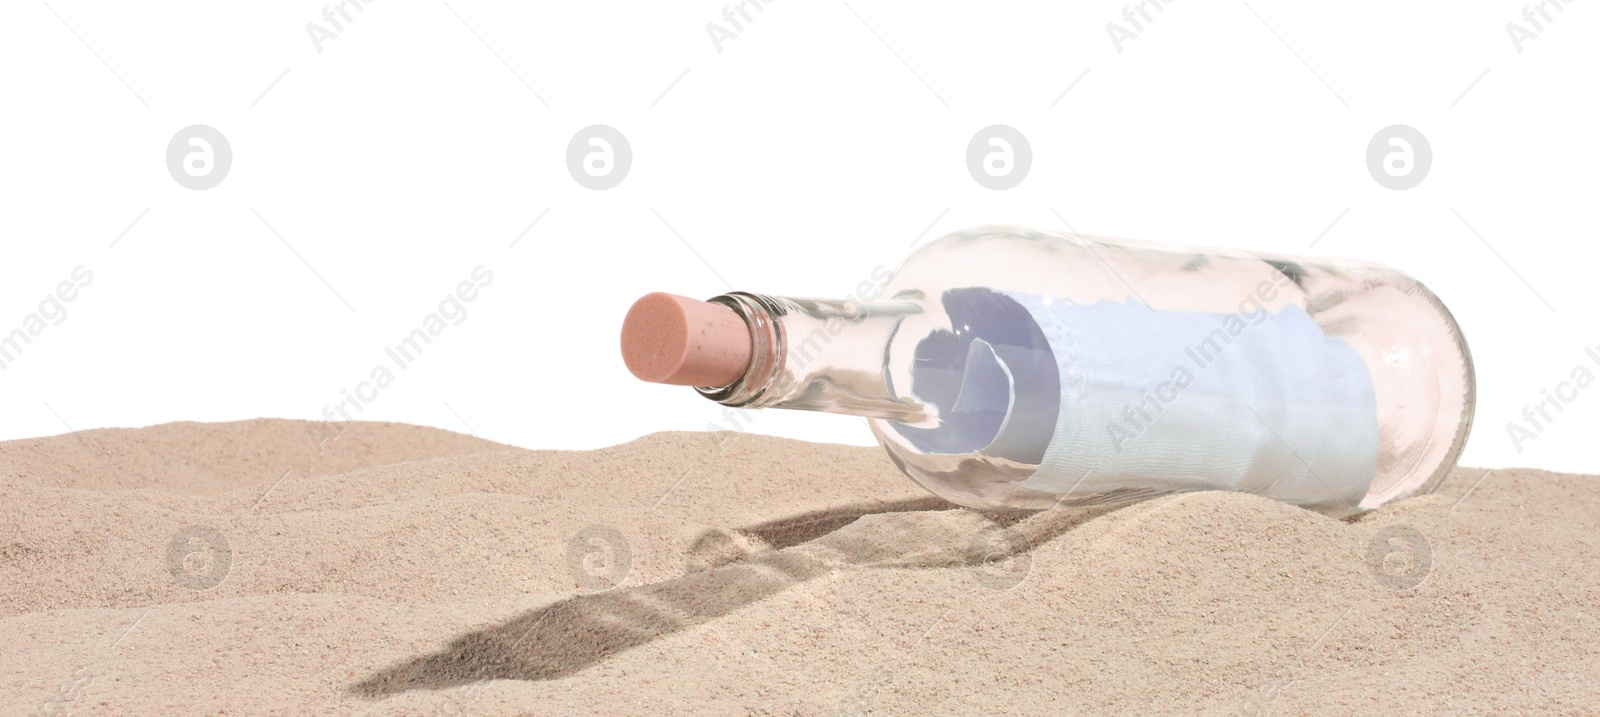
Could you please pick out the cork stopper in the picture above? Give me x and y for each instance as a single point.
(681, 341)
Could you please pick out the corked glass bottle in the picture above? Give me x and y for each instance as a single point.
(1003, 367)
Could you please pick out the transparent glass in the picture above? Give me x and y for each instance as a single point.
(1003, 367)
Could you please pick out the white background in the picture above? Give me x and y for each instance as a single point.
(822, 141)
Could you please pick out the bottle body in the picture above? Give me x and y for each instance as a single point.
(1011, 368)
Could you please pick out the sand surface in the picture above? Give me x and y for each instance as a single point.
(234, 568)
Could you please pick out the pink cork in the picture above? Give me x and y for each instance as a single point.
(674, 339)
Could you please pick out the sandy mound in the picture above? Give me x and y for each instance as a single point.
(232, 568)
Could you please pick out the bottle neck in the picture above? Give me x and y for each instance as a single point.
(818, 355)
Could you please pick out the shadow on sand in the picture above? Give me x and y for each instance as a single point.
(560, 639)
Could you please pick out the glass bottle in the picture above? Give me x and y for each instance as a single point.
(1003, 367)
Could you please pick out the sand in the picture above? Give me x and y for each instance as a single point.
(232, 569)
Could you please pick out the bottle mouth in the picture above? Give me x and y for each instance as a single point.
(767, 350)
